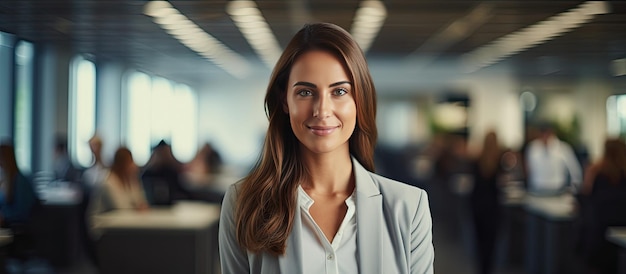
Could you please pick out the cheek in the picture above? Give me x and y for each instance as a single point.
(299, 110)
(348, 112)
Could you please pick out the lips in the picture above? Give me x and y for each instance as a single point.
(322, 130)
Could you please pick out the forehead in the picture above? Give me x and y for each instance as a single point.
(318, 65)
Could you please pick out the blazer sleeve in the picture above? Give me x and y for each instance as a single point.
(422, 251)
(232, 257)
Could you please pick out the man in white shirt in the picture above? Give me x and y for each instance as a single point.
(549, 161)
(95, 175)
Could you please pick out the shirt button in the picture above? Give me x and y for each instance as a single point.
(330, 257)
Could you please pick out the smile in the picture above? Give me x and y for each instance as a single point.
(322, 130)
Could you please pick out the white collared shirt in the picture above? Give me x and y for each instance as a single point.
(549, 164)
(321, 256)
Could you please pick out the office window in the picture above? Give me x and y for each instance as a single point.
(23, 105)
(137, 115)
(185, 125)
(397, 122)
(616, 115)
(82, 110)
(161, 118)
(7, 67)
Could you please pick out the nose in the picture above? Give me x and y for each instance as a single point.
(323, 107)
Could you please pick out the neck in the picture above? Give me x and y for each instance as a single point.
(329, 172)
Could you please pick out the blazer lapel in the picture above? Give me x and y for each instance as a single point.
(369, 218)
(291, 262)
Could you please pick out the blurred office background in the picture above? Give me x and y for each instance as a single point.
(191, 75)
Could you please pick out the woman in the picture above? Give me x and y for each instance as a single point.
(484, 200)
(17, 196)
(312, 203)
(19, 205)
(605, 189)
(121, 188)
(161, 177)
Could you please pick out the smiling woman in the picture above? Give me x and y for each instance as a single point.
(313, 190)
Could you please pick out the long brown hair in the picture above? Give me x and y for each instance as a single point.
(122, 159)
(613, 164)
(9, 167)
(267, 197)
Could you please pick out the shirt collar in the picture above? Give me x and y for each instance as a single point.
(305, 201)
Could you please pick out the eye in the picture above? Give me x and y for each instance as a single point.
(305, 92)
(340, 91)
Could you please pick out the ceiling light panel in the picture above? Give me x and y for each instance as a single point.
(254, 27)
(368, 20)
(196, 39)
(534, 35)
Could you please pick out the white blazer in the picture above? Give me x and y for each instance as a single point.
(394, 232)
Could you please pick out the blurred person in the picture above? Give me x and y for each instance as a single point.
(17, 195)
(92, 178)
(605, 188)
(19, 205)
(204, 178)
(64, 170)
(531, 133)
(122, 188)
(161, 177)
(213, 159)
(312, 204)
(486, 171)
(95, 174)
(206, 163)
(549, 161)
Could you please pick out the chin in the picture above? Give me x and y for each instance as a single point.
(322, 148)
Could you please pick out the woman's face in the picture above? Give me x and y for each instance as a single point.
(319, 102)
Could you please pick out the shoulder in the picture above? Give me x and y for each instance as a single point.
(233, 191)
(230, 198)
(404, 206)
(395, 192)
(390, 186)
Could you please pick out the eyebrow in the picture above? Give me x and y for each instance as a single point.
(311, 85)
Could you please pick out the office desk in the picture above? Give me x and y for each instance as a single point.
(550, 234)
(179, 239)
(6, 237)
(617, 235)
(60, 224)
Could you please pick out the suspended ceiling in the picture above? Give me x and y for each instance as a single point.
(120, 31)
